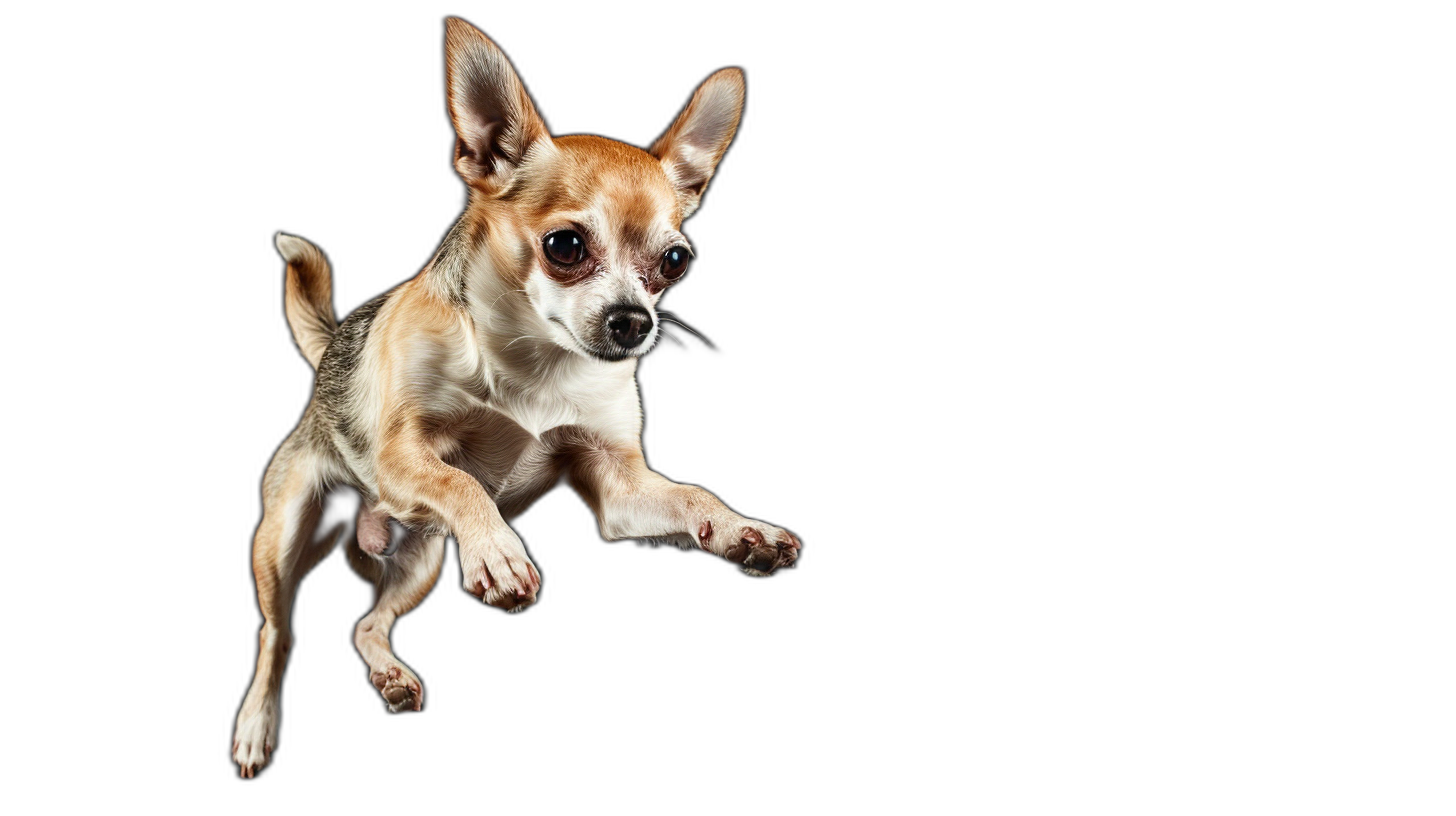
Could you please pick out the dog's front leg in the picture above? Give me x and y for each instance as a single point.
(413, 481)
(632, 501)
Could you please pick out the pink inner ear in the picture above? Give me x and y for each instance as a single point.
(476, 144)
(713, 119)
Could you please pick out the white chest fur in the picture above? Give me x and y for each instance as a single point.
(601, 397)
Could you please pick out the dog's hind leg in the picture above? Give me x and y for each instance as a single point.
(284, 549)
(404, 579)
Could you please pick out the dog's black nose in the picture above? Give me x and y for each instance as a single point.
(629, 325)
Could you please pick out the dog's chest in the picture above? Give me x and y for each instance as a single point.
(505, 437)
(601, 398)
(536, 411)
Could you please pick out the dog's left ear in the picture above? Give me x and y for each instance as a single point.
(690, 149)
(495, 122)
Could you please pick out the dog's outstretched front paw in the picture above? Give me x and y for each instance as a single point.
(757, 547)
(400, 687)
(500, 573)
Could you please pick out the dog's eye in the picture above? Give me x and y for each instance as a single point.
(674, 263)
(564, 247)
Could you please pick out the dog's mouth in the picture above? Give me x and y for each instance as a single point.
(606, 351)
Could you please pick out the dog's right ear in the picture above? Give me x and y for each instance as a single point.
(495, 122)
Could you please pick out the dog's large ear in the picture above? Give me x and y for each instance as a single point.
(690, 149)
(495, 122)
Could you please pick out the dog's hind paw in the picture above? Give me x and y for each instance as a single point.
(253, 741)
(400, 687)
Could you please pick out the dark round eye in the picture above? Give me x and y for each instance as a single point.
(674, 263)
(564, 247)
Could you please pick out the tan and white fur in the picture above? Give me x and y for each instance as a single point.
(456, 399)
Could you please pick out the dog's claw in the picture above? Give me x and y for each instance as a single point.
(500, 573)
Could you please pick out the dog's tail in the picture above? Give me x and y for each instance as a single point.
(308, 295)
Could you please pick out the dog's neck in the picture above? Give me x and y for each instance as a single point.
(447, 274)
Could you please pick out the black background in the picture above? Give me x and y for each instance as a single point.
(785, 407)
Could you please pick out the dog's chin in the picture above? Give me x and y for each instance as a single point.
(612, 353)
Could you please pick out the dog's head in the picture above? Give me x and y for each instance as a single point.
(587, 228)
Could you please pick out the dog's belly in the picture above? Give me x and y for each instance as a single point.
(514, 466)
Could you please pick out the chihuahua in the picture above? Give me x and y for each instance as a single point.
(459, 397)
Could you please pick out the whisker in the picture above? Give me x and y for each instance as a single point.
(517, 340)
(503, 294)
(670, 317)
(670, 335)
